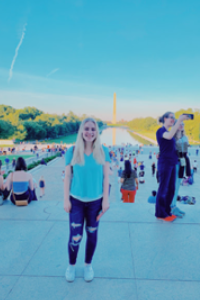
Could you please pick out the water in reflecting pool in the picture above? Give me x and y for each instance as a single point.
(117, 136)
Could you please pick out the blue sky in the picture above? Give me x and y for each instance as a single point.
(73, 55)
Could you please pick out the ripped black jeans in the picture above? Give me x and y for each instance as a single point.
(80, 212)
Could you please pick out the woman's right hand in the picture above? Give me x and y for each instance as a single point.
(67, 206)
(183, 118)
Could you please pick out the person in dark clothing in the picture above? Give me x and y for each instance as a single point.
(167, 165)
(120, 172)
(153, 167)
(157, 174)
(42, 186)
(1, 189)
(142, 166)
(43, 162)
(13, 163)
(7, 160)
(129, 183)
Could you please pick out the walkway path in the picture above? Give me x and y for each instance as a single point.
(52, 175)
(138, 257)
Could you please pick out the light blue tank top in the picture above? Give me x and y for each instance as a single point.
(87, 181)
(20, 187)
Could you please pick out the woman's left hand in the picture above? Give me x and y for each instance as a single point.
(105, 207)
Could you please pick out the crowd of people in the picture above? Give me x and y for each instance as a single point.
(88, 166)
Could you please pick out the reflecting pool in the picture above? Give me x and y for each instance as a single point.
(117, 136)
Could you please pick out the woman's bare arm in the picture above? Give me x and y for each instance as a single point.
(1, 183)
(105, 202)
(122, 180)
(67, 181)
(31, 182)
(169, 135)
(137, 183)
(8, 184)
(106, 181)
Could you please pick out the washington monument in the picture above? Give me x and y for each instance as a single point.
(114, 109)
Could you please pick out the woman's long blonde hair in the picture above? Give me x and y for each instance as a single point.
(98, 153)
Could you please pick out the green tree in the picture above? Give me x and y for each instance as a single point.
(6, 129)
(5, 110)
(20, 133)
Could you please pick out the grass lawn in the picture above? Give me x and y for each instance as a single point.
(150, 135)
(2, 157)
(65, 139)
(6, 146)
(139, 139)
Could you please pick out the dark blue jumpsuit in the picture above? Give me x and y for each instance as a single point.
(167, 174)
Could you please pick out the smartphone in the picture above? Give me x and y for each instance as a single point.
(190, 116)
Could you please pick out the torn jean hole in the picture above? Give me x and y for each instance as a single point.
(91, 229)
(74, 225)
(75, 241)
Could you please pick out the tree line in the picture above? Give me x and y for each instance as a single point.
(31, 123)
(151, 125)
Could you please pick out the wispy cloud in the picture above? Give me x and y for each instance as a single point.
(16, 53)
(52, 72)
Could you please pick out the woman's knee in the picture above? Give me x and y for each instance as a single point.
(92, 230)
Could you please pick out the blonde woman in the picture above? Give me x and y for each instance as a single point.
(183, 166)
(86, 195)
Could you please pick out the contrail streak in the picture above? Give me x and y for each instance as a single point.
(52, 72)
(16, 53)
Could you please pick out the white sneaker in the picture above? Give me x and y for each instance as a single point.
(88, 273)
(70, 273)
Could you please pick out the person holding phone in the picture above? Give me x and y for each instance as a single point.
(190, 116)
(167, 162)
(86, 195)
